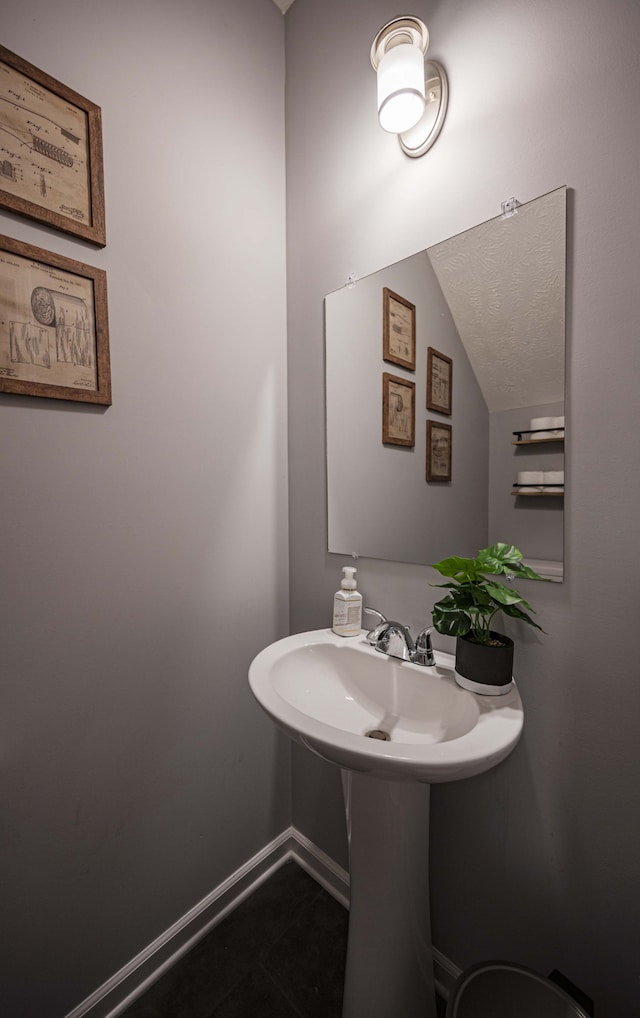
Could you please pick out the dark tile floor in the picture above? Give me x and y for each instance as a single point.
(280, 954)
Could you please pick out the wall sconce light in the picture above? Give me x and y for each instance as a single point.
(412, 95)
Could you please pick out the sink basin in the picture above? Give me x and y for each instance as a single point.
(329, 693)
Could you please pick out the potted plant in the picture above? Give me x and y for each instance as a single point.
(484, 657)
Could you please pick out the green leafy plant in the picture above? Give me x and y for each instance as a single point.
(475, 598)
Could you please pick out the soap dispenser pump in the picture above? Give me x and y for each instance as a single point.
(347, 606)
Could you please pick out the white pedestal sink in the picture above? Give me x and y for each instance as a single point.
(329, 693)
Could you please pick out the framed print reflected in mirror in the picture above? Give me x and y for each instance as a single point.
(398, 330)
(438, 451)
(398, 410)
(439, 381)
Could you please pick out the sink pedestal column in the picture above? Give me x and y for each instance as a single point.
(389, 960)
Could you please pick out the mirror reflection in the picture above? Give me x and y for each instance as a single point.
(481, 369)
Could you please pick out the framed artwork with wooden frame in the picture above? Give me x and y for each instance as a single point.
(439, 381)
(398, 330)
(51, 166)
(398, 410)
(54, 332)
(438, 451)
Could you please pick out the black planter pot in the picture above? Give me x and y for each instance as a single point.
(483, 668)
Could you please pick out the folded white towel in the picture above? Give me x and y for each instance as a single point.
(530, 477)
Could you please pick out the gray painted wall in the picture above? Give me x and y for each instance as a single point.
(537, 860)
(144, 547)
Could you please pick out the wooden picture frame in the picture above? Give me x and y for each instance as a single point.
(398, 330)
(54, 332)
(438, 451)
(439, 381)
(51, 164)
(398, 410)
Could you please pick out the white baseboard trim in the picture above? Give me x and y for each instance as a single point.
(321, 867)
(118, 992)
(114, 996)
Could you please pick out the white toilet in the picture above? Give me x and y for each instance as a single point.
(502, 990)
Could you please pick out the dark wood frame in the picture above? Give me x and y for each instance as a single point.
(94, 229)
(432, 426)
(388, 296)
(388, 438)
(433, 356)
(98, 278)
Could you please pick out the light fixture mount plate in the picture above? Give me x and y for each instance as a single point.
(400, 30)
(420, 138)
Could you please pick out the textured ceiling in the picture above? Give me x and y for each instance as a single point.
(504, 282)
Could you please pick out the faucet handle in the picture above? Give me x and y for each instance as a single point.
(374, 611)
(424, 649)
(374, 634)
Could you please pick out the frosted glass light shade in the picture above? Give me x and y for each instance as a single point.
(401, 92)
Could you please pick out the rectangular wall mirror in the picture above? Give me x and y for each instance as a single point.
(487, 393)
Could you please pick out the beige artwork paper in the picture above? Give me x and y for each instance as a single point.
(44, 147)
(47, 325)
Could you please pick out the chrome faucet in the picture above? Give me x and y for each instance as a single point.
(395, 640)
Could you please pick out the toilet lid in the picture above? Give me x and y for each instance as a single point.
(501, 990)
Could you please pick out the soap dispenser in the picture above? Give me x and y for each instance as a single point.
(347, 606)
